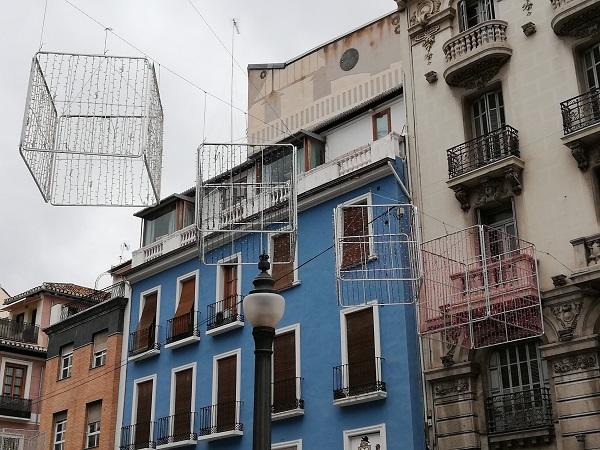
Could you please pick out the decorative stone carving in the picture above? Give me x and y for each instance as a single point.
(593, 252)
(451, 387)
(463, 198)
(575, 22)
(527, 7)
(423, 11)
(573, 363)
(567, 315)
(431, 76)
(396, 24)
(559, 280)
(513, 177)
(495, 190)
(401, 5)
(529, 29)
(580, 154)
(427, 38)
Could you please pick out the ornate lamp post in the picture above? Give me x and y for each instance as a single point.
(263, 307)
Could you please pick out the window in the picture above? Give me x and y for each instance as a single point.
(292, 445)
(279, 170)
(591, 67)
(162, 224)
(474, 12)
(60, 430)
(183, 322)
(487, 113)
(182, 404)
(145, 335)
(239, 193)
(286, 379)
(360, 352)
(227, 393)
(33, 316)
(311, 154)
(229, 305)
(20, 318)
(356, 242)
(282, 261)
(93, 414)
(502, 230)
(189, 214)
(66, 361)
(382, 124)
(11, 441)
(372, 437)
(143, 413)
(14, 380)
(515, 368)
(99, 356)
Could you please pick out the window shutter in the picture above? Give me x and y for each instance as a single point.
(186, 297)
(94, 411)
(283, 265)
(148, 318)
(230, 293)
(66, 349)
(183, 403)
(226, 393)
(100, 340)
(361, 350)
(284, 371)
(356, 240)
(144, 412)
(462, 15)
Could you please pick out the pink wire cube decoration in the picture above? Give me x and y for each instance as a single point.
(479, 289)
(93, 130)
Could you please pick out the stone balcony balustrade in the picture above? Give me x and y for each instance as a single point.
(575, 18)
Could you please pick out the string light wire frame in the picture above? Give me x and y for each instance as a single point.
(246, 196)
(377, 253)
(93, 130)
(480, 288)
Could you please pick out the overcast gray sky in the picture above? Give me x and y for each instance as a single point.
(39, 242)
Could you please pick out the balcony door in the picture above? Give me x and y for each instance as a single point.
(284, 372)
(487, 116)
(143, 416)
(500, 236)
(182, 420)
(230, 290)
(226, 393)
(360, 339)
(474, 12)
(14, 380)
(591, 66)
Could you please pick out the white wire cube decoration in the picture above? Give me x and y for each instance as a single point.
(480, 288)
(247, 202)
(93, 130)
(377, 253)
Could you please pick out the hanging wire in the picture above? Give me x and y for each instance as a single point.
(43, 25)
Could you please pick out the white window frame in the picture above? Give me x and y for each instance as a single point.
(89, 434)
(142, 303)
(340, 225)
(296, 329)
(134, 403)
(29, 365)
(297, 444)
(220, 278)
(62, 367)
(20, 440)
(270, 250)
(349, 434)
(180, 280)
(102, 354)
(55, 432)
(174, 371)
(238, 377)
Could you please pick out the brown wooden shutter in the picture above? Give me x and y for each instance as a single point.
(226, 393)
(284, 372)
(283, 266)
(186, 297)
(356, 229)
(183, 404)
(230, 277)
(361, 351)
(148, 317)
(143, 414)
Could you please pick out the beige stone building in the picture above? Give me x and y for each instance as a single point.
(503, 120)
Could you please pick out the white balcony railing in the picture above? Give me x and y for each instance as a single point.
(164, 245)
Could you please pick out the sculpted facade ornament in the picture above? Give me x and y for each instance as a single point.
(396, 23)
(401, 5)
(427, 38)
(423, 11)
(451, 387)
(567, 315)
(463, 198)
(573, 363)
(580, 154)
(527, 7)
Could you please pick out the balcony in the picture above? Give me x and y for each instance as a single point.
(224, 316)
(168, 243)
(144, 343)
(576, 18)
(178, 430)
(518, 415)
(13, 330)
(475, 56)
(488, 161)
(15, 407)
(183, 330)
(220, 421)
(387, 147)
(358, 382)
(581, 125)
(137, 437)
(286, 399)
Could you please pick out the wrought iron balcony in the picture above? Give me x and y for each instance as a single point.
(182, 327)
(517, 411)
(476, 54)
(576, 18)
(144, 340)
(14, 330)
(357, 379)
(15, 406)
(581, 111)
(176, 428)
(483, 150)
(286, 395)
(135, 437)
(225, 312)
(220, 418)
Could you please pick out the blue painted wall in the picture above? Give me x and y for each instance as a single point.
(313, 305)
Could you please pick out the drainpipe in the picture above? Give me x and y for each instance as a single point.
(399, 180)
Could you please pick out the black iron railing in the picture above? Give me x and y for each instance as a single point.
(14, 330)
(15, 406)
(524, 410)
(483, 150)
(224, 312)
(135, 437)
(220, 418)
(176, 428)
(581, 111)
(358, 378)
(70, 310)
(183, 326)
(143, 340)
(286, 395)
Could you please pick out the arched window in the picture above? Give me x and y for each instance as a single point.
(515, 368)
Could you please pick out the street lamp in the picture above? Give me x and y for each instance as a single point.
(263, 307)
